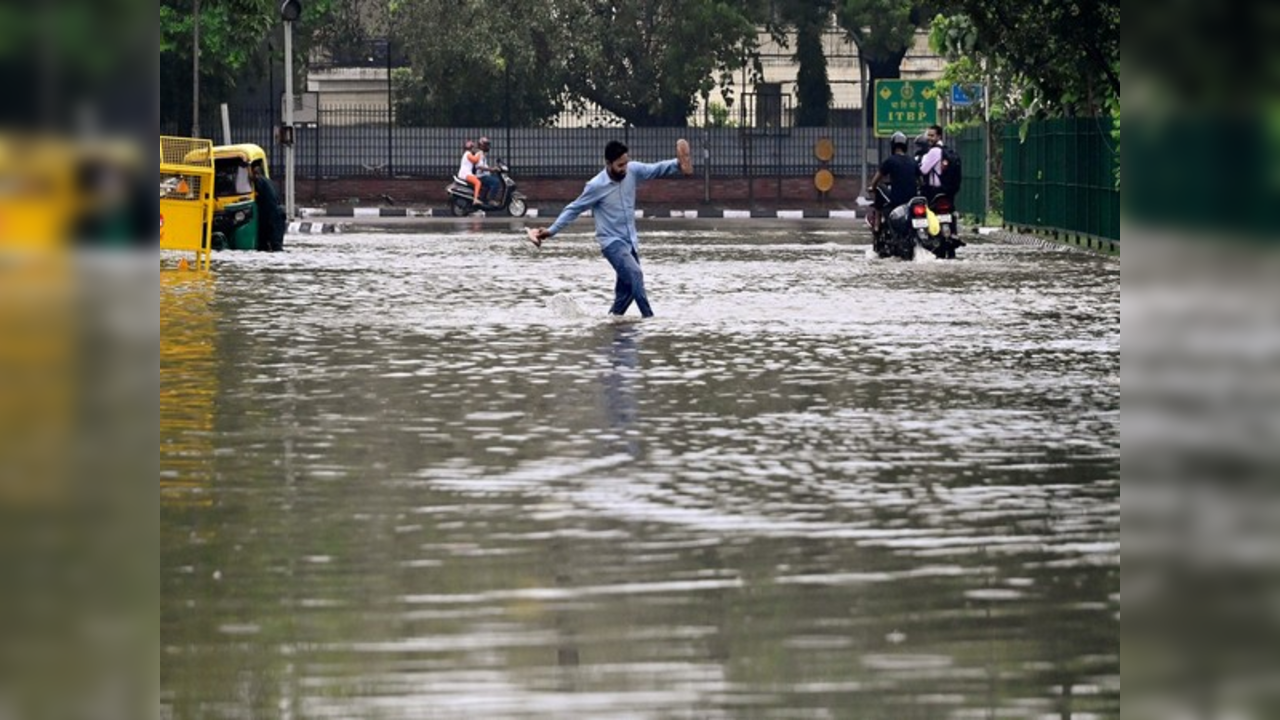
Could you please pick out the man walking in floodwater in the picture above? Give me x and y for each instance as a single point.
(611, 198)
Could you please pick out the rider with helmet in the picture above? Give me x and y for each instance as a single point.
(922, 146)
(489, 183)
(901, 171)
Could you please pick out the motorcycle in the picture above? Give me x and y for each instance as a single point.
(909, 226)
(503, 198)
(905, 228)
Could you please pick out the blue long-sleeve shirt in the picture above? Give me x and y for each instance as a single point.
(613, 204)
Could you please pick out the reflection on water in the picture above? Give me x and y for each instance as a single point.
(436, 482)
(189, 392)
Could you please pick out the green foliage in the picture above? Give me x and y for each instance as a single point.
(813, 90)
(1061, 58)
(472, 64)
(234, 37)
(883, 30)
(719, 116)
(1115, 134)
(808, 19)
(527, 60)
(647, 62)
(953, 37)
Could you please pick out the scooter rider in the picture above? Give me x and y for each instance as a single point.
(901, 172)
(489, 183)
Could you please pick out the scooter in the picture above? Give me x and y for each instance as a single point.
(948, 239)
(503, 198)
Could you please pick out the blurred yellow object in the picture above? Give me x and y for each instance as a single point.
(186, 196)
(935, 227)
(37, 191)
(54, 190)
(37, 364)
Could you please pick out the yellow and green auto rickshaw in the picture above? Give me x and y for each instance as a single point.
(236, 214)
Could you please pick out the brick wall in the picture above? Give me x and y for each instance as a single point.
(791, 192)
(676, 192)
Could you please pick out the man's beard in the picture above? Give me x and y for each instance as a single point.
(616, 177)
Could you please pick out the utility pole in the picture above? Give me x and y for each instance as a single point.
(195, 72)
(290, 11)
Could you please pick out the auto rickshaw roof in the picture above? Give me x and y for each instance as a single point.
(246, 151)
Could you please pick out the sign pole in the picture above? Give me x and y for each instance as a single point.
(288, 119)
(862, 129)
(986, 146)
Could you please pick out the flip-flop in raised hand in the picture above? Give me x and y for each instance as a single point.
(684, 156)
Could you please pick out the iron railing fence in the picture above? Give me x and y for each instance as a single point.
(364, 141)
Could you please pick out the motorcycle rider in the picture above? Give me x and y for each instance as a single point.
(921, 147)
(901, 172)
(931, 163)
(467, 170)
(489, 183)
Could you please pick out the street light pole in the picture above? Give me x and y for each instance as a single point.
(290, 11)
(288, 119)
(195, 72)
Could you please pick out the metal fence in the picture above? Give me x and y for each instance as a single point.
(350, 142)
(1061, 177)
(971, 143)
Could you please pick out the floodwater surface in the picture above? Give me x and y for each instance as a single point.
(421, 475)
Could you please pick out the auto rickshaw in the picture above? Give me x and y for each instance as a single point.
(235, 217)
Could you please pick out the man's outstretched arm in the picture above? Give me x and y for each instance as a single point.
(591, 194)
(682, 164)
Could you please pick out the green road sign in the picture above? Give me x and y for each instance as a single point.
(908, 106)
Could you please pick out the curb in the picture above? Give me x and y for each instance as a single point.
(1016, 237)
(553, 211)
(313, 228)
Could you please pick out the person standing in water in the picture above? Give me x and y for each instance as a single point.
(611, 198)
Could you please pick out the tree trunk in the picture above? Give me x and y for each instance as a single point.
(888, 67)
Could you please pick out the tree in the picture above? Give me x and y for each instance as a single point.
(1066, 54)
(647, 61)
(234, 37)
(883, 31)
(473, 63)
(808, 18)
(813, 91)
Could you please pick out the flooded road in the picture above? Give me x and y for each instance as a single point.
(420, 475)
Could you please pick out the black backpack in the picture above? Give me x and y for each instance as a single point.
(950, 174)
